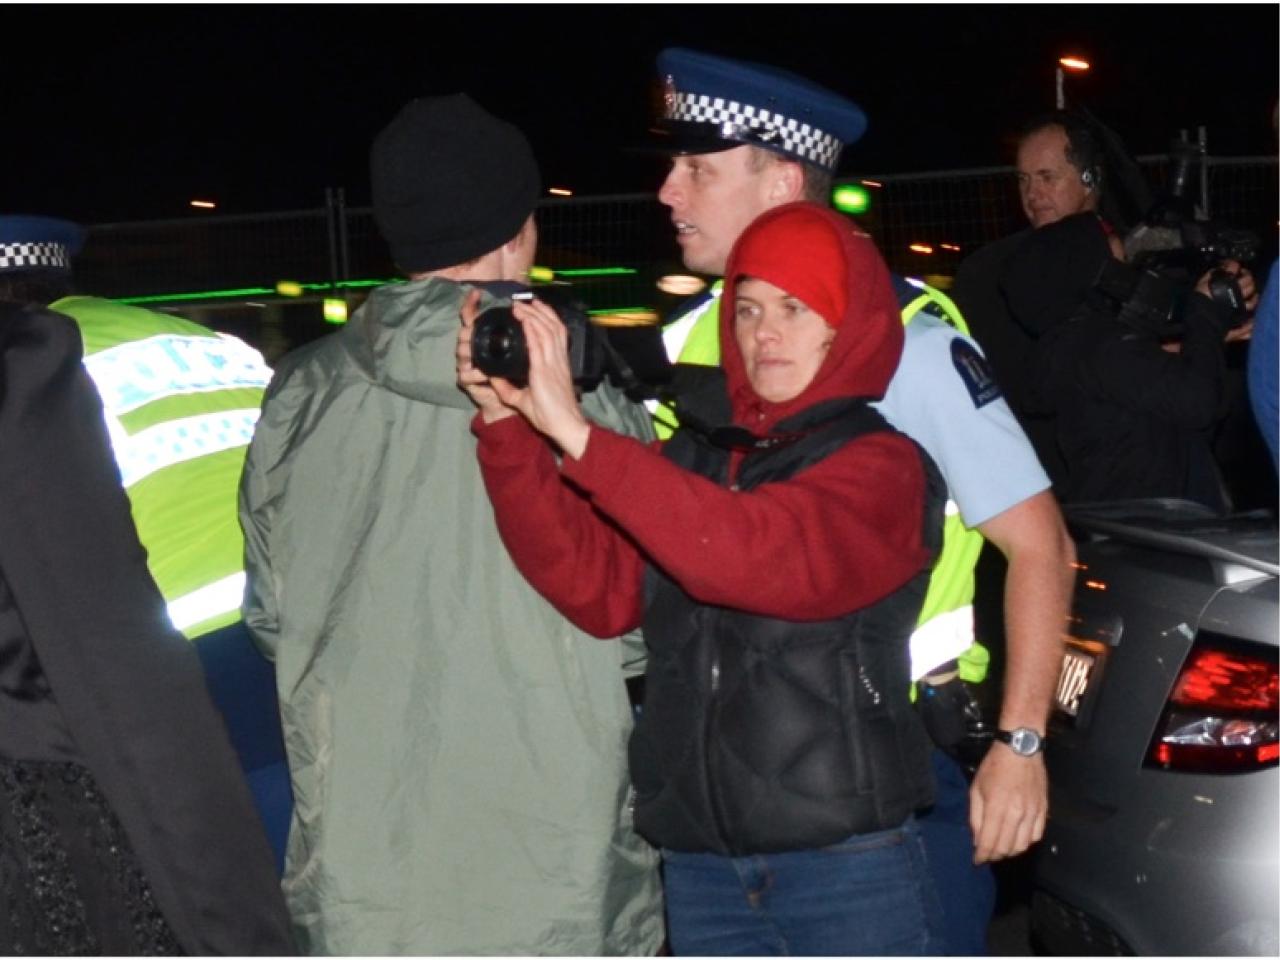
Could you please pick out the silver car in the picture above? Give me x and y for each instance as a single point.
(1162, 753)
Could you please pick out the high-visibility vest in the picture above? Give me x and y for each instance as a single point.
(181, 403)
(945, 629)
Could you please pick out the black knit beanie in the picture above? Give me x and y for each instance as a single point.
(451, 182)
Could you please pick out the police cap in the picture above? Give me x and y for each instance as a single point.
(712, 103)
(38, 243)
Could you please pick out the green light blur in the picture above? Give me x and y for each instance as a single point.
(212, 295)
(252, 291)
(536, 273)
(851, 198)
(597, 272)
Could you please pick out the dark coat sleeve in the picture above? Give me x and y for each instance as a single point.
(129, 687)
(1186, 388)
(1047, 283)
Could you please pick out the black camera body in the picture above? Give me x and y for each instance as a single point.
(1184, 250)
(1177, 246)
(499, 349)
(632, 357)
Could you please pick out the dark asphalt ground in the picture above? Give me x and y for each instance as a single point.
(1009, 933)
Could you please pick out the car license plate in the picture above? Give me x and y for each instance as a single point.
(1073, 681)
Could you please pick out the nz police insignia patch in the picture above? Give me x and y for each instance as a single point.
(974, 372)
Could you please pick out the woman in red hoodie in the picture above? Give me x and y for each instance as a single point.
(775, 552)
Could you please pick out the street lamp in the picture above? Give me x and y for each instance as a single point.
(1074, 64)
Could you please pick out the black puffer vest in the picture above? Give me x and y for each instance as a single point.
(762, 735)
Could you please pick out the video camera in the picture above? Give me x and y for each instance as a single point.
(630, 354)
(1170, 250)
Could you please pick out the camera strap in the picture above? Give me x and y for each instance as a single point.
(730, 437)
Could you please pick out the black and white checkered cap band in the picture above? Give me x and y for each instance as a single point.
(15, 256)
(739, 121)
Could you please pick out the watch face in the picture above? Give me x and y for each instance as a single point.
(1024, 742)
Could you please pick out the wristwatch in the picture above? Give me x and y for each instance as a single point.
(1023, 741)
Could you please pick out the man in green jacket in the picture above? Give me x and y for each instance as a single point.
(457, 747)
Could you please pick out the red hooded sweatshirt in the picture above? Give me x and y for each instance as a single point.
(835, 538)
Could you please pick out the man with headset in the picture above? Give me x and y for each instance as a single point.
(745, 138)
(1059, 165)
(1017, 291)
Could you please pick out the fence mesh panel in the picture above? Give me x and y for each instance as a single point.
(961, 208)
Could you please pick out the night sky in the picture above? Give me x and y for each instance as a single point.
(126, 113)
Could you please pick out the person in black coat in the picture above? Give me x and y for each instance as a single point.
(126, 827)
(1134, 411)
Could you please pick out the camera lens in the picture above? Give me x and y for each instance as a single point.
(497, 343)
(498, 347)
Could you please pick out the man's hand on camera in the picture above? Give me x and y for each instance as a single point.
(1242, 332)
(1247, 297)
(473, 381)
(1249, 290)
(549, 402)
(1244, 278)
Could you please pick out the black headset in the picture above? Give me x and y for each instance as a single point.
(1083, 151)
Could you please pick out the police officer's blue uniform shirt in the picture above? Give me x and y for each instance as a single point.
(944, 397)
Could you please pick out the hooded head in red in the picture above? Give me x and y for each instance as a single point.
(810, 315)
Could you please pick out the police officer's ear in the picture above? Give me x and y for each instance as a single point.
(786, 183)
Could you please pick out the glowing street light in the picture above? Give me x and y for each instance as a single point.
(1075, 65)
(560, 192)
(204, 204)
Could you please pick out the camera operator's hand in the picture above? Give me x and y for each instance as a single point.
(1248, 293)
(1242, 332)
(550, 402)
(473, 381)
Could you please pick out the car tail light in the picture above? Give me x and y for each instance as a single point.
(1222, 714)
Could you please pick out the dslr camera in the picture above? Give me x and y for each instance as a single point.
(632, 357)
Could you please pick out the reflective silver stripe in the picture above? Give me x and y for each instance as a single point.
(942, 638)
(177, 441)
(131, 375)
(952, 509)
(222, 596)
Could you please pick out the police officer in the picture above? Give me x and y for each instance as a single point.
(745, 138)
(180, 402)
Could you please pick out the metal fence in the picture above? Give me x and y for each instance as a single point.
(220, 269)
(965, 209)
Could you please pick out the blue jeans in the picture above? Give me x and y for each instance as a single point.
(869, 895)
(968, 892)
(242, 685)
